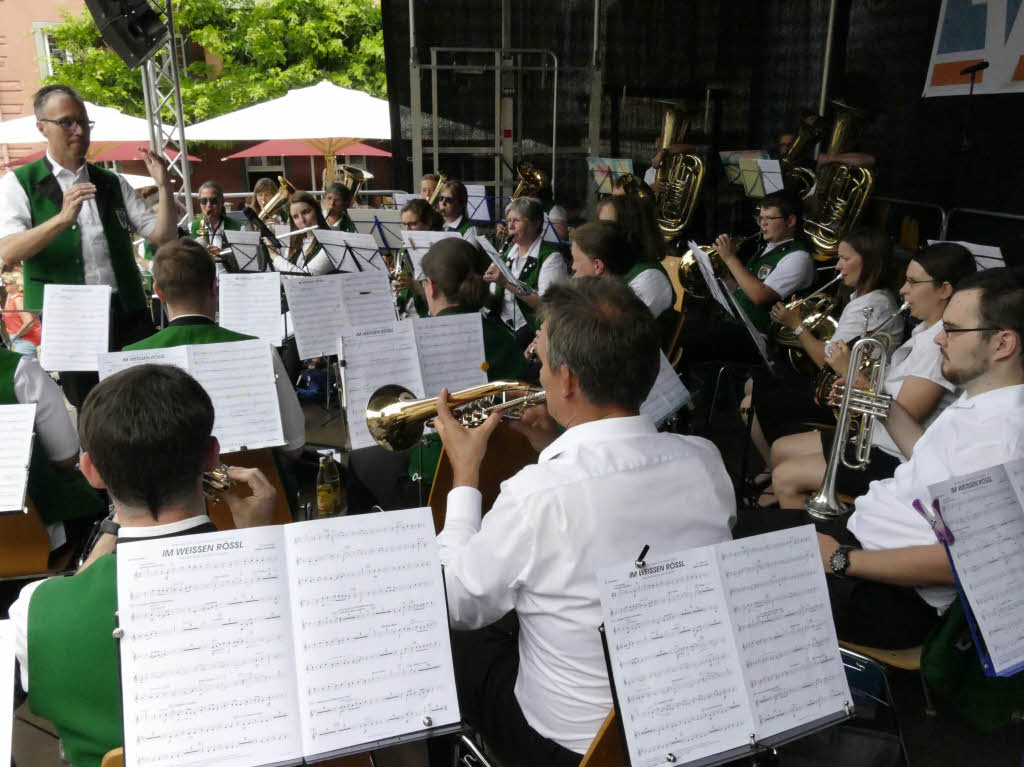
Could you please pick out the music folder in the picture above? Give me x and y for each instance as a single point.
(284, 644)
(718, 652)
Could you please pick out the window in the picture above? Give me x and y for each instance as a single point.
(46, 49)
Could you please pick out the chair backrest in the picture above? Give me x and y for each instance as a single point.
(607, 749)
(113, 758)
(24, 545)
(263, 460)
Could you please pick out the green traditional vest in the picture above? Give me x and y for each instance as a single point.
(347, 225)
(73, 674)
(58, 494)
(529, 276)
(505, 362)
(464, 226)
(180, 335)
(761, 266)
(60, 261)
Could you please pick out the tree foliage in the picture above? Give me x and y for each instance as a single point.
(255, 50)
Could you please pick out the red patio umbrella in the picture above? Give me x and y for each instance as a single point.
(308, 148)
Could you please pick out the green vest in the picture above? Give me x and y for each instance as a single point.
(73, 672)
(58, 494)
(761, 266)
(60, 261)
(230, 225)
(180, 335)
(347, 225)
(529, 276)
(505, 362)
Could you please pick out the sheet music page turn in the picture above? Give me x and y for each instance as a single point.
(75, 326)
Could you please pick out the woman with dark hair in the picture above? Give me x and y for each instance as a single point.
(305, 254)
(914, 379)
(639, 220)
(782, 404)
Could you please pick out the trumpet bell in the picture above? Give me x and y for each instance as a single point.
(388, 419)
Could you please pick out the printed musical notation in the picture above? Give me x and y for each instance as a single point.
(716, 644)
(251, 304)
(985, 512)
(451, 352)
(16, 424)
(263, 645)
(75, 326)
(667, 395)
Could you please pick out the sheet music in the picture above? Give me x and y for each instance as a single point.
(16, 424)
(667, 395)
(245, 245)
(346, 245)
(499, 262)
(375, 357)
(759, 339)
(418, 243)
(708, 273)
(239, 377)
(779, 605)
(75, 326)
(771, 175)
(678, 679)
(115, 362)
(316, 307)
(6, 689)
(451, 352)
(207, 669)
(985, 512)
(371, 628)
(366, 299)
(251, 304)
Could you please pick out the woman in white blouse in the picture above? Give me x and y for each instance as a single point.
(782, 404)
(914, 378)
(305, 254)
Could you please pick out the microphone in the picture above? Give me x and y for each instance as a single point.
(981, 65)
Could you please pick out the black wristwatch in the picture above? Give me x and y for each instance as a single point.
(109, 526)
(839, 562)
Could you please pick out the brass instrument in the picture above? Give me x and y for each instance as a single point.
(441, 181)
(816, 318)
(871, 404)
(396, 419)
(353, 178)
(796, 176)
(689, 271)
(284, 192)
(203, 232)
(396, 262)
(217, 482)
(842, 189)
(827, 376)
(531, 181)
(633, 186)
(678, 179)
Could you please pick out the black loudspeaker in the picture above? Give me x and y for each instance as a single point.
(130, 27)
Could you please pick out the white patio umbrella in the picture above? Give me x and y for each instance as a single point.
(111, 126)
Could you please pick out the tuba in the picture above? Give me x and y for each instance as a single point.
(868, 354)
(816, 313)
(679, 180)
(352, 178)
(396, 419)
(842, 189)
(795, 175)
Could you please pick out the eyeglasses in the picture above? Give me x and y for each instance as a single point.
(760, 219)
(445, 198)
(68, 124)
(910, 281)
(950, 331)
(204, 201)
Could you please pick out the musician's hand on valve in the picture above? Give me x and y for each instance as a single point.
(537, 425)
(789, 317)
(726, 248)
(253, 510)
(837, 355)
(465, 447)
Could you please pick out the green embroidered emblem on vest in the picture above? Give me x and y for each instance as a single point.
(761, 266)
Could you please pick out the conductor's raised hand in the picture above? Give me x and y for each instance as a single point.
(465, 447)
(73, 199)
(156, 166)
(253, 510)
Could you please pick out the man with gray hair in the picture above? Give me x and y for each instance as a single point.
(599, 492)
(70, 222)
(535, 263)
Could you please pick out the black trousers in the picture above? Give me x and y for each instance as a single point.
(865, 612)
(486, 666)
(125, 328)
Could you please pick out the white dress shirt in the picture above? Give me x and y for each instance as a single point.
(551, 271)
(16, 216)
(652, 286)
(19, 610)
(453, 226)
(919, 357)
(851, 322)
(793, 273)
(597, 495)
(53, 427)
(971, 434)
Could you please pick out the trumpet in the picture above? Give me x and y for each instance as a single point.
(871, 404)
(396, 419)
(217, 482)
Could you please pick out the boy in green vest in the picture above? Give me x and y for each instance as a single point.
(146, 436)
(185, 279)
(70, 223)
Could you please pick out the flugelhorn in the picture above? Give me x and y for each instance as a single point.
(870, 404)
(396, 419)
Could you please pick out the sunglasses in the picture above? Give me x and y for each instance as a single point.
(443, 198)
(204, 201)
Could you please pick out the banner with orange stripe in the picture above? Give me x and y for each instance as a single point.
(971, 32)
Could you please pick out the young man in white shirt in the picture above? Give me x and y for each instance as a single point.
(600, 492)
(889, 578)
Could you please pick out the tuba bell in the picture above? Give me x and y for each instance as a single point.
(396, 419)
(678, 181)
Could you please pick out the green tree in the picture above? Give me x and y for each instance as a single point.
(257, 49)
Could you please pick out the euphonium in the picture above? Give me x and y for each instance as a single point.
(395, 419)
(867, 354)
(842, 189)
(816, 318)
(690, 274)
(678, 180)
